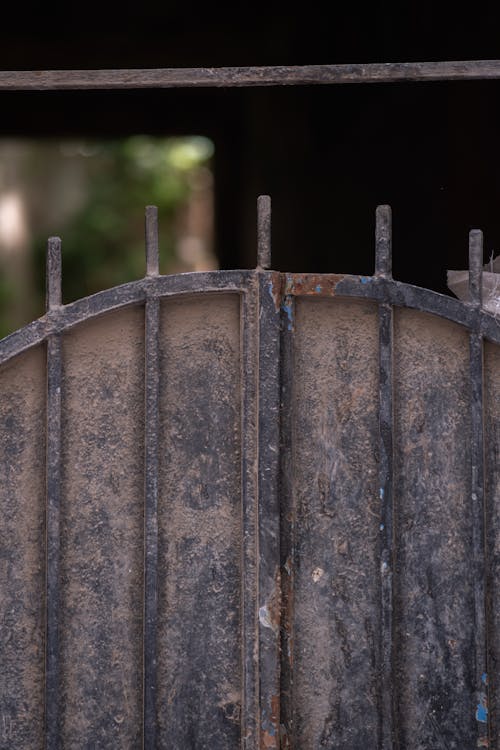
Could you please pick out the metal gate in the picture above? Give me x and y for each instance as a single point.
(251, 509)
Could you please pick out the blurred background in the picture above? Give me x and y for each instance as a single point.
(91, 192)
(83, 165)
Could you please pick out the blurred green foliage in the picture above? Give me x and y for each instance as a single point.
(103, 242)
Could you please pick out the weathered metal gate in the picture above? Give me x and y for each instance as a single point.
(251, 509)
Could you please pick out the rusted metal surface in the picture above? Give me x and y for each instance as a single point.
(282, 75)
(269, 522)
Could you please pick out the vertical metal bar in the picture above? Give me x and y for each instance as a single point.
(264, 231)
(269, 511)
(478, 509)
(249, 499)
(383, 268)
(383, 241)
(288, 542)
(152, 245)
(53, 489)
(151, 419)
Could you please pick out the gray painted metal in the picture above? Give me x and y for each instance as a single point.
(251, 509)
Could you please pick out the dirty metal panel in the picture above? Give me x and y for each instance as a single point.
(492, 462)
(434, 640)
(199, 680)
(101, 532)
(22, 550)
(331, 568)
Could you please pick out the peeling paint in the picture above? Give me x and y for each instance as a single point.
(312, 284)
(274, 287)
(270, 727)
(288, 309)
(482, 709)
(265, 619)
(270, 612)
(317, 574)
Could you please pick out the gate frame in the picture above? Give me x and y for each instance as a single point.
(268, 300)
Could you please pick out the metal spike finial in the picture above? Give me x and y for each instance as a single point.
(152, 251)
(53, 297)
(383, 241)
(476, 266)
(264, 231)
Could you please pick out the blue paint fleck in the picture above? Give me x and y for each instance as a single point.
(365, 279)
(484, 678)
(287, 307)
(318, 288)
(381, 493)
(382, 527)
(481, 713)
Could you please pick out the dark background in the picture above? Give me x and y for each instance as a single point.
(327, 155)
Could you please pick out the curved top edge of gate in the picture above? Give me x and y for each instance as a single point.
(281, 286)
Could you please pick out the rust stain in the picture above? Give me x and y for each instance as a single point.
(312, 284)
(275, 288)
(302, 284)
(274, 602)
(268, 740)
(285, 739)
(270, 733)
(287, 605)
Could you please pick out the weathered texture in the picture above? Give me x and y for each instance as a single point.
(269, 585)
(50, 80)
(492, 462)
(200, 545)
(336, 524)
(22, 550)
(102, 532)
(434, 586)
(274, 516)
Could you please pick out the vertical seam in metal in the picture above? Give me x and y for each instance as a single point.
(53, 506)
(383, 269)
(151, 436)
(478, 502)
(249, 520)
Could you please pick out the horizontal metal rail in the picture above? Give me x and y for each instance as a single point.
(376, 288)
(281, 75)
